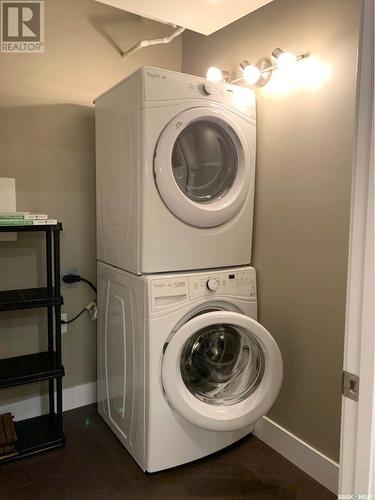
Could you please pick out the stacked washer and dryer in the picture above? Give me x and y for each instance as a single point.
(184, 368)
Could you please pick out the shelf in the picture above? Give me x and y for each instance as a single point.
(45, 432)
(28, 229)
(28, 298)
(35, 435)
(29, 368)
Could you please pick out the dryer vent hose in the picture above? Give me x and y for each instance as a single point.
(157, 41)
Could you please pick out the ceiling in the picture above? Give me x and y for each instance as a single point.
(202, 16)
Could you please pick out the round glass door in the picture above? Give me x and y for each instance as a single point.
(202, 167)
(222, 364)
(204, 161)
(221, 371)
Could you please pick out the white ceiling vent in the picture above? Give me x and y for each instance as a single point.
(203, 16)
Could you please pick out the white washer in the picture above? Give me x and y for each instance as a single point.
(184, 367)
(175, 164)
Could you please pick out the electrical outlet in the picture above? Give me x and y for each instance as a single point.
(68, 270)
(93, 311)
(64, 327)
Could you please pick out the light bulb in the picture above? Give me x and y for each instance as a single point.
(286, 60)
(251, 74)
(214, 74)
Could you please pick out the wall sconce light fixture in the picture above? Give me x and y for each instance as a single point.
(251, 73)
(259, 73)
(217, 75)
(284, 60)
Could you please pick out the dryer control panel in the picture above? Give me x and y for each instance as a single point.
(239, 282)
(164, 85)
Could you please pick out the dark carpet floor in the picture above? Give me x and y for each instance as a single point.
(94, 465)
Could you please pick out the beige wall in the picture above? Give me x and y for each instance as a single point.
(302, 196)
(47, 143)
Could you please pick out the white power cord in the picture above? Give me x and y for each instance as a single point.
(90, 308)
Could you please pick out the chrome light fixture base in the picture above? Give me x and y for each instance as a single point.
(265, 67)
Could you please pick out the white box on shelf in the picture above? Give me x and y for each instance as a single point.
(8, 202)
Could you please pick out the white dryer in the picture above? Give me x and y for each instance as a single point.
(175, 162)
(184, 367)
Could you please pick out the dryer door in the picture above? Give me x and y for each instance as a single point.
(202, 166)
(222, 371)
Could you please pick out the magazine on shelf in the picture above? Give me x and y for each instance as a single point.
(23, 216)
(28, 222)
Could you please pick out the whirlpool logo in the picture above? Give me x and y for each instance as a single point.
(22, 26)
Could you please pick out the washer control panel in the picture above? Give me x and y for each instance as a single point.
(233, 282)
(177, 289)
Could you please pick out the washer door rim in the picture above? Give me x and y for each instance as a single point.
(196, 214)
(221, 418)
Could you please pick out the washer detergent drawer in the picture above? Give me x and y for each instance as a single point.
(117, 356)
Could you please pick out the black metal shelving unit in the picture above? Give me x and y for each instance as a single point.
(46, 431)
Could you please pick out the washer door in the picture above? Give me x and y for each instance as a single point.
(221, 371)
(202, 167)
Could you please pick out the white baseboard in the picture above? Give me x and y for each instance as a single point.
(315, 464)
(73, 397)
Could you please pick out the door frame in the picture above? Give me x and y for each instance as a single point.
(357, 425)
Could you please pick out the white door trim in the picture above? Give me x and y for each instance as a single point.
(357, 426)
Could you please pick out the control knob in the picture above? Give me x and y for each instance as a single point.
(212, 284)
(209, 88)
